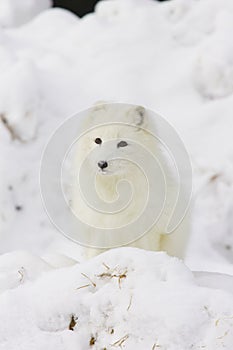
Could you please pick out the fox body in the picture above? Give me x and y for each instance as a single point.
(115, 156)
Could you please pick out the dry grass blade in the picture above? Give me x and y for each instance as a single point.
(121, 341)
(85, 286)
(106, 266)
(84, 275)
(113, 274)
(130, 303)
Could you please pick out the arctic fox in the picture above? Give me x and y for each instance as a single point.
(119, 143)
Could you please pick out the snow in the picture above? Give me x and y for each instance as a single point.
(174, 57)
(123, 297)
(14, 13)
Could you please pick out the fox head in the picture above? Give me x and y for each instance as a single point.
(113, 134)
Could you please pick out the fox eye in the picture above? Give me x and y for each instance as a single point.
(98, 141)
(122, 144)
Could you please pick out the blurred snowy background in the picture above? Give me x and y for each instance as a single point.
(175, 57)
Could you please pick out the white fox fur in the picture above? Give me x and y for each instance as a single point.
(139, 129)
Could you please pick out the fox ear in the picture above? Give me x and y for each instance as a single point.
(105, 112)
(137, 116)
(100, 103)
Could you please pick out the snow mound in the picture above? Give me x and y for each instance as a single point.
(113, 10)
(14, 12)
(55, 22)
(125, 298)
(18, 267)
(213, 72)
(20, 100)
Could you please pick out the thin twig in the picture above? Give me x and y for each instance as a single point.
(130, 303)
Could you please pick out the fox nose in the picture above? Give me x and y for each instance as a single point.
(102, 164)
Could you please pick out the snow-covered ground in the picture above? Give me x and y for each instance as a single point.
(174, 57)
(125, 299)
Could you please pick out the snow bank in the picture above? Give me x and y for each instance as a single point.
(17, 267)
(20, 100)
(126, 298)
(14, 12)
